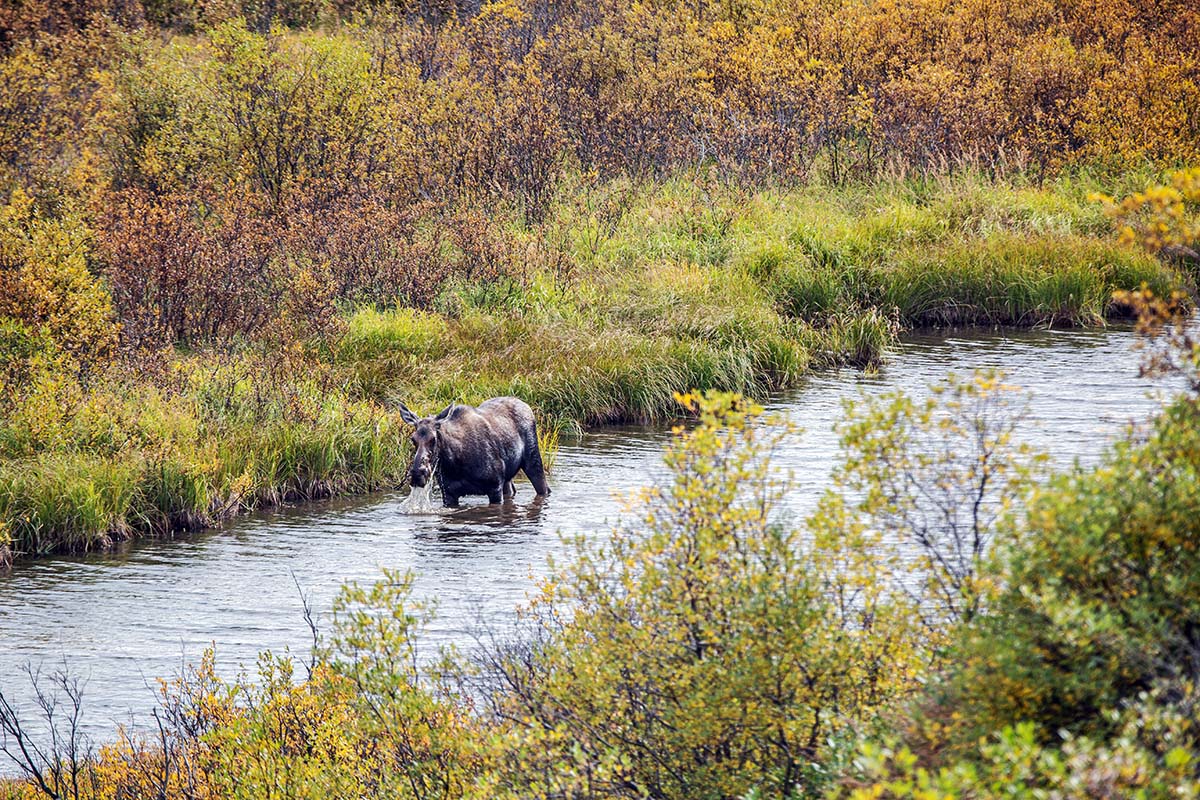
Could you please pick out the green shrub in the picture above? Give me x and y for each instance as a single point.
(700, 653)
(1103, 593)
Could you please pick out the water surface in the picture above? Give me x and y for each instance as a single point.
(122, 619)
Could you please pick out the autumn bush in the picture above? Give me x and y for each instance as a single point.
(1087, 639)
(1163, 218)
(53, 308)
(703, 651)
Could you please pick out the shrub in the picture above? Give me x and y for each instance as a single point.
(1165, 219)
(180, 278)
(46, 287)
(702, 653)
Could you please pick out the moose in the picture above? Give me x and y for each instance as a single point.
(476, 450)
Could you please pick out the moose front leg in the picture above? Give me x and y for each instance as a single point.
(451, 491)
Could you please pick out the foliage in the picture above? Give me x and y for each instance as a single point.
(1164, 219)
(46, 289)
(364, 721)
(1087, 647)
(420, 736)
(699, 654)
(1099, 604)
(942, 477)
(1169, 343)
(1152, 756)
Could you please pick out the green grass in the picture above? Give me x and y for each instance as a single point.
(674, 287)
(223, 436)
(963, 252)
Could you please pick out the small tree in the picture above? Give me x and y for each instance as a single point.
(938, 479)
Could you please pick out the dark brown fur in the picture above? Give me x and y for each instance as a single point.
(477, 450)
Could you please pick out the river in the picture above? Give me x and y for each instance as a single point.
(122, 619)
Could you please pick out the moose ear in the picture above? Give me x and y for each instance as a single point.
(445, 412)
(407, 415)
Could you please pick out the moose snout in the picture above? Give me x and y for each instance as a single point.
(419, 475)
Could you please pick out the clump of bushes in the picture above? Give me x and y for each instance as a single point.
(1086, 640)
(51, 305)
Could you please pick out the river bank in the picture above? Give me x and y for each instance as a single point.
(657, 289)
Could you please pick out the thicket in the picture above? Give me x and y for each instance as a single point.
(243, 166)
(1088, 646)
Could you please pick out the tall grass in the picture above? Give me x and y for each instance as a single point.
(957, 251)
(676, 287)
(224, 439)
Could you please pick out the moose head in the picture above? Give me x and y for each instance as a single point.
(426, 443)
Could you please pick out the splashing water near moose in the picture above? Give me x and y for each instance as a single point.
(419, 500)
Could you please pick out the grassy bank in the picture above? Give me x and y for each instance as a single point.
(636, 292)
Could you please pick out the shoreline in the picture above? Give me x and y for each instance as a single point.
(288, 496)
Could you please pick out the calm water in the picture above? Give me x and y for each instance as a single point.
(123, 619)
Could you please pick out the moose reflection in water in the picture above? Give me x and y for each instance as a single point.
(476, 451)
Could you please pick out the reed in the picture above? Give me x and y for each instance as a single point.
(66, 501)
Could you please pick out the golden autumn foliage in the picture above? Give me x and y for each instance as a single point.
(1164, 218)
(46, 286)
(495, 99)
(229, 155)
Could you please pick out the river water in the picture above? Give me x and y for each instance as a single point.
(122, 619)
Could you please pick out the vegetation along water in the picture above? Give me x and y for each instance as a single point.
(233, 234)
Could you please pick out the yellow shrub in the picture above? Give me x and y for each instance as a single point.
(45, 284)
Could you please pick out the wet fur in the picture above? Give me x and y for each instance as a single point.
(479, 450)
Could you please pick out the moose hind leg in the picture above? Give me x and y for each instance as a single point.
(509, 489)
